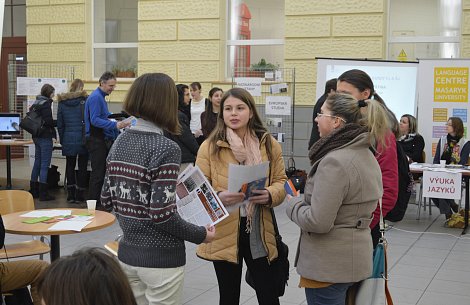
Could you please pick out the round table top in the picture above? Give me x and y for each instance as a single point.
(15, 142)
(14, 225)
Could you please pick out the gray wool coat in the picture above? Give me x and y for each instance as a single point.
(335, 244)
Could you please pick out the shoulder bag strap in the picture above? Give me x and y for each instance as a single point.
(82, 108)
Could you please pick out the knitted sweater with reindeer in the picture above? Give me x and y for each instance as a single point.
(140, 182)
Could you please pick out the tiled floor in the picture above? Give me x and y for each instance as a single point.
(428, 263)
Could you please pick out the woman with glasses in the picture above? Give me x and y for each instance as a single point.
(410, 140)
(454, 149)
(342, 190)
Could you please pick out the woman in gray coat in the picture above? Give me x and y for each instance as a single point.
(342, 190)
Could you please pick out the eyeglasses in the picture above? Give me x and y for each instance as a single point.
(331, 116)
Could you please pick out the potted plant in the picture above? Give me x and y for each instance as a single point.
(125, 72)
(259, 69)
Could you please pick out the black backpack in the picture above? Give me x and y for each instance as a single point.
(405, 186)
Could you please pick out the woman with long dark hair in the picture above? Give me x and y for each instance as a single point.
(248, 233)
(360, 86)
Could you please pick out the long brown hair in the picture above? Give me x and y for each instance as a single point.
(362, 81)
(87, 277)
(153, 97)
(255, 124)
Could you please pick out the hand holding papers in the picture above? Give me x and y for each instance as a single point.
(196, 200)
(247, 178)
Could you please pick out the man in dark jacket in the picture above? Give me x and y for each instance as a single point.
(330, 88)
(20, 273)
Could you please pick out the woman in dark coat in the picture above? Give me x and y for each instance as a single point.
(410, 140)
(43, 144)
(186, 140)
(70, 123)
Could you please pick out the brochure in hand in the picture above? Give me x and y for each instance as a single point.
(196, 200)
(249, 187)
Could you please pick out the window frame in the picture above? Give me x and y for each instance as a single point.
(417, 39)
(105, 45)
(245, 42)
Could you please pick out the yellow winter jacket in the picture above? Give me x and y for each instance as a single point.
(225, 245)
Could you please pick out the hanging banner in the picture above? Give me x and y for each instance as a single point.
(444, 185)
(442, 93)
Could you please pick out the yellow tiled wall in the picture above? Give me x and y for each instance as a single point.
(186, 38)
(330, 28)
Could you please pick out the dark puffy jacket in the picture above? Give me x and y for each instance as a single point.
(69, 123)
(43, 106)
(186, 140)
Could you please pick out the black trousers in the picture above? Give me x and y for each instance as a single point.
(98, 151)
(375, 232)
(229, 275)
(80, 180)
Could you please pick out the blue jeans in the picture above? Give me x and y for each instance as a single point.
(42, 159)
(332, 295)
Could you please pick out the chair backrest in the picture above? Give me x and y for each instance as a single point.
(12, 201)
(424, 156)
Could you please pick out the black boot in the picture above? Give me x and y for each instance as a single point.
(43, 194)
(455, 207)
(80, 194)
(34, 188)
(71, 193)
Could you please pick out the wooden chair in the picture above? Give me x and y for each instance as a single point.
(113, 246)
(12, 201)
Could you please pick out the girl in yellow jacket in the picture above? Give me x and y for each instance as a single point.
(248, 233)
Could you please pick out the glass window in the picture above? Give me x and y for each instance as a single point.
(14, 22)
(256, 34)
(115, 37)
(424, 29)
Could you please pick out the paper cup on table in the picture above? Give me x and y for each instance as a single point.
(443, 163)
(91, 205)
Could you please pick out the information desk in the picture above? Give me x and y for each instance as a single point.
(8, 144)
(465, 177)
(14, 225)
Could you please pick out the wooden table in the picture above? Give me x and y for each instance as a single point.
(14, 225)
(8, 144)
(466, 179)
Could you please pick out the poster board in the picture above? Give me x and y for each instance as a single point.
(443, 93)
(394, 81)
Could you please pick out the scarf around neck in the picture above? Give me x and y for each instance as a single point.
(335, 139)
(247, 152)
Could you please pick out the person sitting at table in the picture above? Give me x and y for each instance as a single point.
(454, 149)
(88, 276)
(410, 140)
(20, 273)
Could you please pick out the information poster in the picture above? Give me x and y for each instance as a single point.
(443, 93)
(33, 85)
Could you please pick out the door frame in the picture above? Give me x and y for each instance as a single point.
(10, 45)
